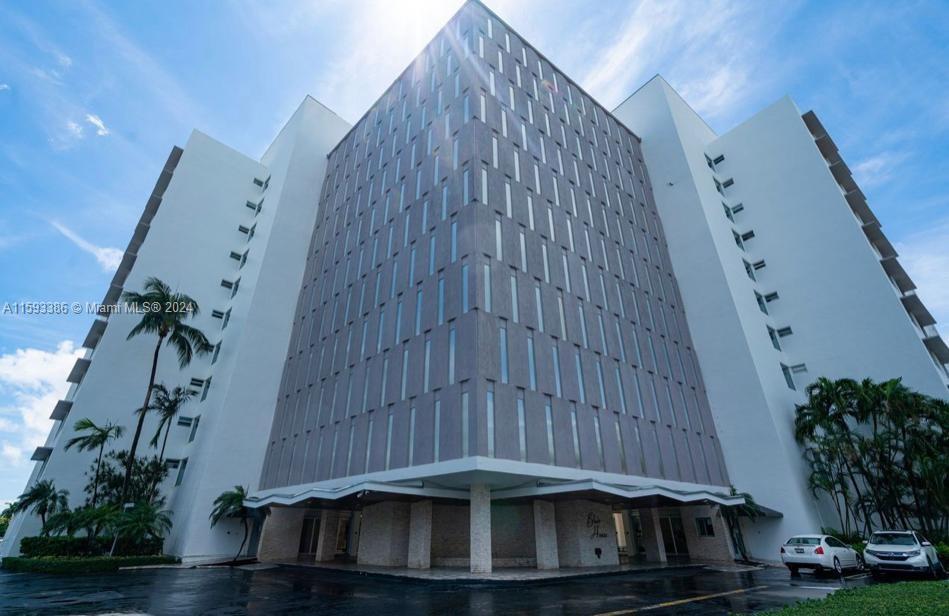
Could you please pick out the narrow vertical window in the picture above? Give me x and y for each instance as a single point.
(466, 196)
(389, 441)
(431, 255)
(622, 447)
(427, 367)
(419, 304)
(507, 199)
(620, 389)
(539, 304)
(531, 363)
(454, 241)
(437, 429)
(555, 352)
(464, 420)
(523, 246)
(576, 434)
(368, 445)
(549, 419)
(385, 378)
(502, 347)
(600, 384)
(515, 315)
(465, 302)
(484, 185)
(580, 384)
(489, 410)
(412, 435)
(521, 426)
(441, 300)
(498, 250)
(583, 325)
(405, 373)
(451, 354)
(599, 440)
(487, 287)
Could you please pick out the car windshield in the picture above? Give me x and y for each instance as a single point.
(804, 541)
(892, 539)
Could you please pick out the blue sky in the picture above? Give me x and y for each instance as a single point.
(94, 95)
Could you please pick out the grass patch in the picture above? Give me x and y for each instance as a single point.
(902, 599)
(74, 565)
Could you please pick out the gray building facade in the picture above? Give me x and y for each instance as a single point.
(488, 282)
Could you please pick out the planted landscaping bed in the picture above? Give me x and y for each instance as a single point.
(72, 565)
(902, 599)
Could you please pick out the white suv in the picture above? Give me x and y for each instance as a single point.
(901, 551)
(819, 552)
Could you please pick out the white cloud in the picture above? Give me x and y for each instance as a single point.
(108, 258)
(96, 121)
(707, 51)
(925, 255)
(31, 381)
(74, 129)
(377, 43)
(877, 169)
(4, 86)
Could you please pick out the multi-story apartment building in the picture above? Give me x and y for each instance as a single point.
(786, 276)
(494, 324)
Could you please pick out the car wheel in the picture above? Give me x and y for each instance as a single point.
(861, 565)
(793, 570)
(838, 570)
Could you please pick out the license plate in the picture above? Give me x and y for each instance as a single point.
(798, 550)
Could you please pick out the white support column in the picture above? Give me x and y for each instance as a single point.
(326, 539)
(652, 535)
(545, 535)
(420, 535)
(480, 531)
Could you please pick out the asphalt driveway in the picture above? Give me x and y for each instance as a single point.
(291, 590)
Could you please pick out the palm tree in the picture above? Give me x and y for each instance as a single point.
(144, 521)
(94, 437)
(42, 499)
(163, 313)
(230, 504)
(167, 404)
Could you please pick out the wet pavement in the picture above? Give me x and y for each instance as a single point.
(295, 590)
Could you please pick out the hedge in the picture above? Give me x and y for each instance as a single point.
(902, 599)
(34, 547)
(95, 564)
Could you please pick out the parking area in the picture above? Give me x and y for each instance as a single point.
(292, 590)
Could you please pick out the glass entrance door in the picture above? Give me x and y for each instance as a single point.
(309, 536)
(673, 536)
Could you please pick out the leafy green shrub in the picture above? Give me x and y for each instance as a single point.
(904, 598)
(943, 550)
(34, 547)
(72, 565)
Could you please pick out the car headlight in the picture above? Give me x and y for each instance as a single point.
(913, 553)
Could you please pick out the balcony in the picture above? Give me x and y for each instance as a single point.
(918, 310)
(936, 345)
(95, 334)
(61, 410)
(79, 370)
(879, 241)
(41, 454)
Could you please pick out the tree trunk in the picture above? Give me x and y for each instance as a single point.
(95, 483)
(161, 458)
(164, 442)
(244, 540)
(130, 463)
